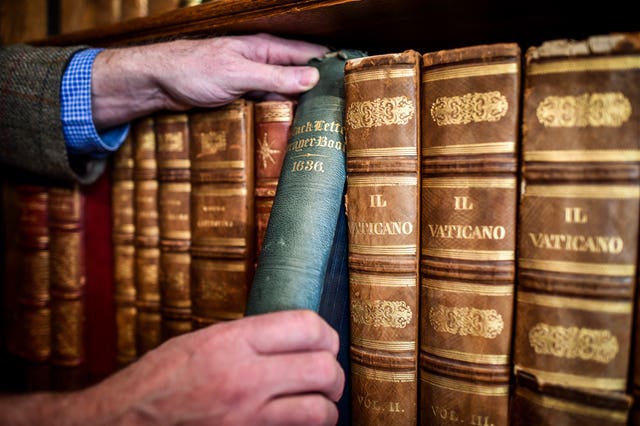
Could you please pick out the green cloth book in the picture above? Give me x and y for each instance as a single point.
(299, 237)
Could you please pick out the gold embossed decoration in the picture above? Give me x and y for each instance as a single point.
(609, 109)
(380, 112)
(574, 342)
(466, 321)
(469, 108)
(212, 142)
(381, 313)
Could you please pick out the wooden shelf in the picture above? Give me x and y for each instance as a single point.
(374, 25)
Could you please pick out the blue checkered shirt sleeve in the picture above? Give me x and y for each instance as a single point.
(80, 133)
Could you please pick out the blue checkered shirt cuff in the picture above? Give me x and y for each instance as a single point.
(80, 133)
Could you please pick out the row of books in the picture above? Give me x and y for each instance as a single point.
(492, 203)
(77, 15)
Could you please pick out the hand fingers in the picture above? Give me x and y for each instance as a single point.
(300, 373)
(289, 331)
(276, 78)
(307, 410)
(270, 49)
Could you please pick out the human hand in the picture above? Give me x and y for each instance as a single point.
(272, 369)
(131, 82)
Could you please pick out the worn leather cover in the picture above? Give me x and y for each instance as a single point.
(470, 120)
(295, 251)
(539, 403)
(382, 125)
(146, 237)
(580, 200)
(272, 123)
(222, 211)
(122, 237)
(174, 221)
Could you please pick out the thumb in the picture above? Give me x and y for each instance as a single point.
(287, 80)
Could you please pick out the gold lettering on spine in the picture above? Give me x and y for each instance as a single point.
(574, 342)
(586, 110)
(469, 108)
(211, 142)
(466, 321)
(381, 313)
(380, 112)
(170, 141)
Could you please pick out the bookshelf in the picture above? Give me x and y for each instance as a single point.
(377, 26)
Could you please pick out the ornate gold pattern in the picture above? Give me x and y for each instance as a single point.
(610, 109)
(381, 313)
(211, 142)
(380, 112)
(466, 321)
(266, 151)
(574, 342)
(469, 108)
(170, 142)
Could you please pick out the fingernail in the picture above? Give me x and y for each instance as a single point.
(308, 78)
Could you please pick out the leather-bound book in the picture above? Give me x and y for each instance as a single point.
(470, 121)
(131, 9)
(272, 123)
(222, 211)
(578, 216)
(122, 237)
(296, 246)
(146, 238)
(67, 286)
(382, 103)
(27, 284)
(174, 197)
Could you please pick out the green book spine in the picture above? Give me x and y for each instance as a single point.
(298, 240)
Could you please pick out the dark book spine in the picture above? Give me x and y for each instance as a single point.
(174, 198)
(147, 249)
(67, 287)
(295, 251)
(123, 233)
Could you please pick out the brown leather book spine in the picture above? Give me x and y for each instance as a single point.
(382, 129)
(146, 240)
(67, 286)
(29, 327)
(123, 234)
(272, 122)
(174, 197)
(131, 9)
(578, 217)
(470, 120)
(222, 211)
(157, 7)
(539, 403)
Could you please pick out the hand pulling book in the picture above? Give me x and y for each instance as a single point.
(303, 258)
(295, 251)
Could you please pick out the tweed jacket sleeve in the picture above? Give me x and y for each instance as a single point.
(31, 137)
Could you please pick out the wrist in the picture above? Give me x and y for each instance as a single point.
(124, 87)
